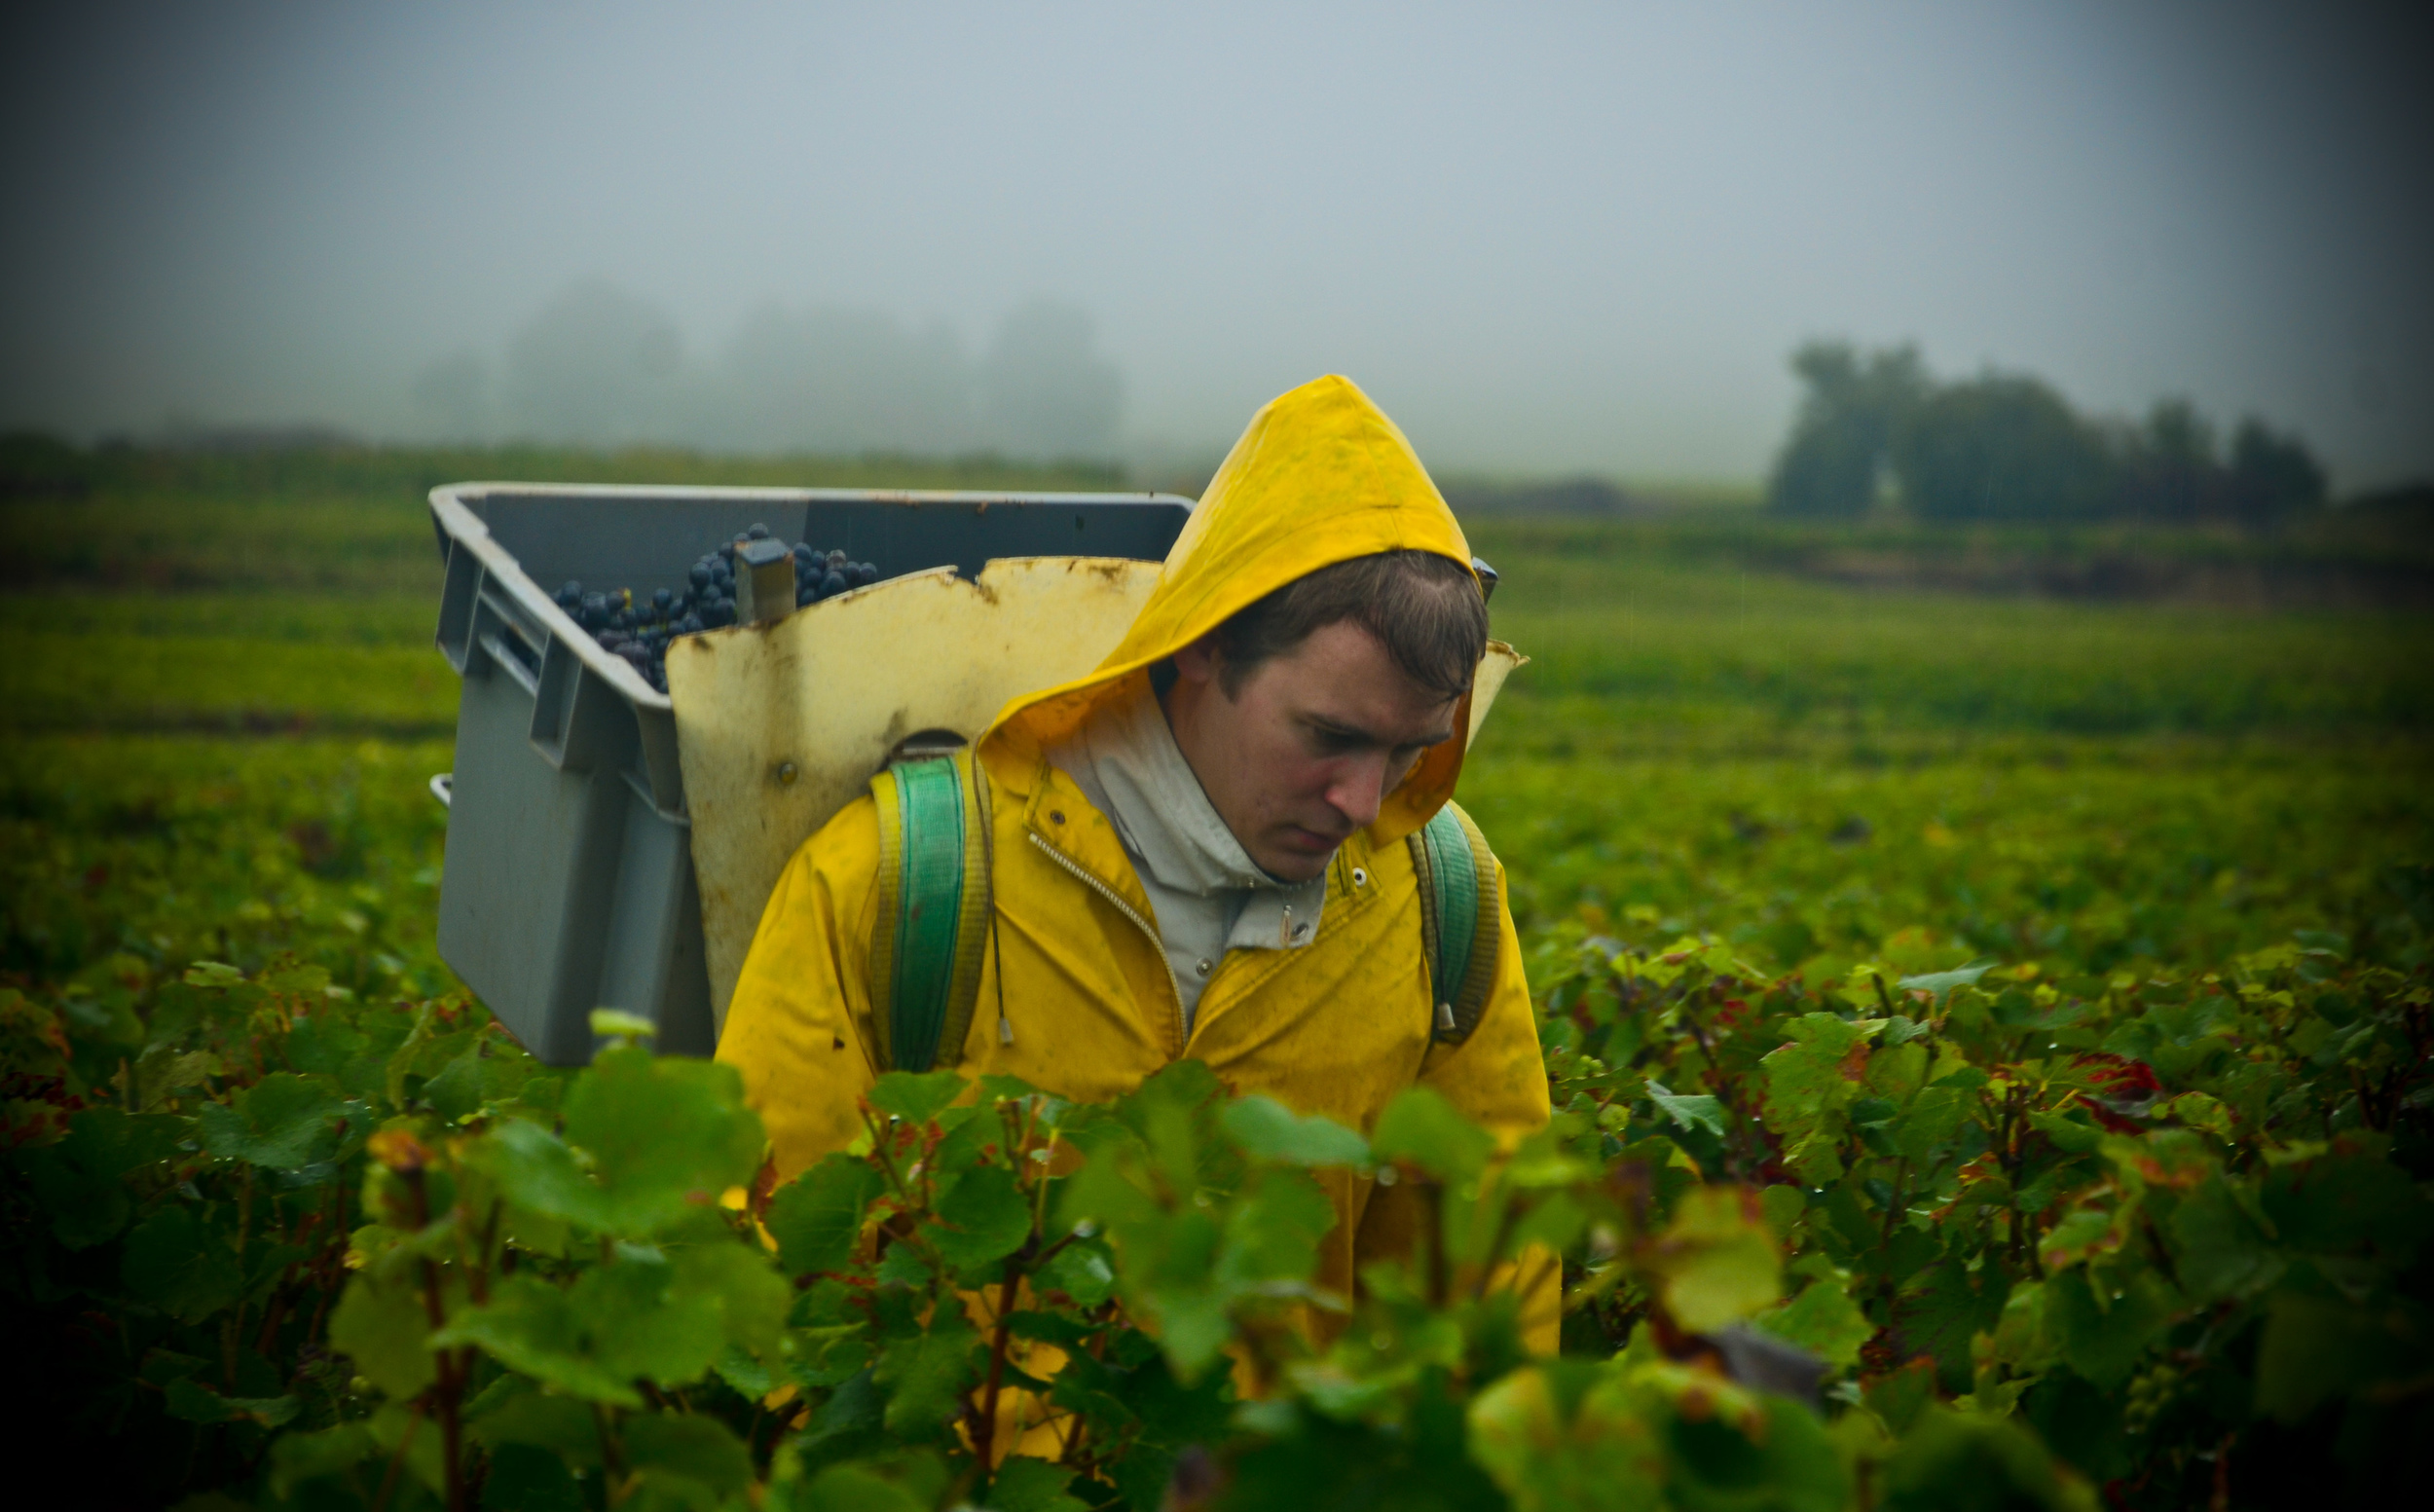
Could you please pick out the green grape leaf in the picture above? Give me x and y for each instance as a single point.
(1421, 1127)
(2082, 1235)
(81, 1180)
(644, 1315)
(385, 1329)
(1780, 1450)
(532, 1327)
(2221, 1253)
(1269, 1130)
(925, 1373)
(1946, 1306)
(189, 1402)
(1272, 1235)
(982, 1217)
(1823, 1321)
(656, 1316)
(753, 1298)
(1809, 1081)
(816, 1217)
(1942, 984)
(349, 1051)
(689, 1449)
(1082, 1271)
(856, 1488)
(283, 1122)
(663, 1138)
(2103, 1337)
(1024, 1483)
(481, 1075)
(1194, 1324)
(1784, 1205)
(1567, 1437)
(529, 1479)
(1716, 1259)
(179, 1265)
(666, 1134)
(917, 1099)
(2320, 1348)
(2347, 1200)
(2069, 1134)
(299, 1458)
(1952, 1459)
(1933, 1120)
(1690, 1110)
(566, 1428)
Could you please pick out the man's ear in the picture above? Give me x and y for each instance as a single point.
(1199, 662)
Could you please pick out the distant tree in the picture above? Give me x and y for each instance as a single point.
(597, 366)
(1841, 444)
(2172, 466)
(36, 465)
(2273, 477)
(834, 380)
(2004, 446)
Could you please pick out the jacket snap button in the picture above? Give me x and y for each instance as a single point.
(1205, 966)
(1360, 878)
(1056, 816)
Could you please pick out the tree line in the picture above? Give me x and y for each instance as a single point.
(1877, 429)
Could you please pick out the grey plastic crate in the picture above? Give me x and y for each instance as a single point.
(567, 883)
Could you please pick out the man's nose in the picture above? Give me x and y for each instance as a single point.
(1358, 789)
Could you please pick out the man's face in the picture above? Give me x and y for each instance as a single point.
(1302, 752)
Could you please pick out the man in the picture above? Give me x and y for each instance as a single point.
(1197, 850)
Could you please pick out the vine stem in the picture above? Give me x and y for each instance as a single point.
(984, 1431)
(397, 1461)
(449, 1389)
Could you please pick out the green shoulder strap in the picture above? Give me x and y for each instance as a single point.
(934, 907)
(1460, 924)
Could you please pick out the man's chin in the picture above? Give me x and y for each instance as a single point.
(1297, 863)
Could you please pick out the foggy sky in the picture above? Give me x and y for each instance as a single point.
(1548, 238)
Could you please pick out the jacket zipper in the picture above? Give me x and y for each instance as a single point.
(1128, 911)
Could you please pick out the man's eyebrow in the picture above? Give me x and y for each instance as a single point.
(1338, 728)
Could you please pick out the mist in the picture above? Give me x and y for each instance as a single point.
(601, 366)
(1552, 241)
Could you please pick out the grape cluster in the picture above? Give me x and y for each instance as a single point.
(640, 627)
(2150, 1393)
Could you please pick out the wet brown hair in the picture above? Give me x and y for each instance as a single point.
(1425, 609)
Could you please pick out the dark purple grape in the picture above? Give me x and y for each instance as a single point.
(806, 593)
(833, 585)
(863, 574)
(757, 532)
(661, 598)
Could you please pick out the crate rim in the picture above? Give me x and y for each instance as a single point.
(460, 524)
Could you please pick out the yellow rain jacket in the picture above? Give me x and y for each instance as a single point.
(1338, 1026)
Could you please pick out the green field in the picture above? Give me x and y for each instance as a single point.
(1710, 736)
(1993, 963)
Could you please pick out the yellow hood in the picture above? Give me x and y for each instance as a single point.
(1320, 476)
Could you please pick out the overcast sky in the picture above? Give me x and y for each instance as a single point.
(1548, 238)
